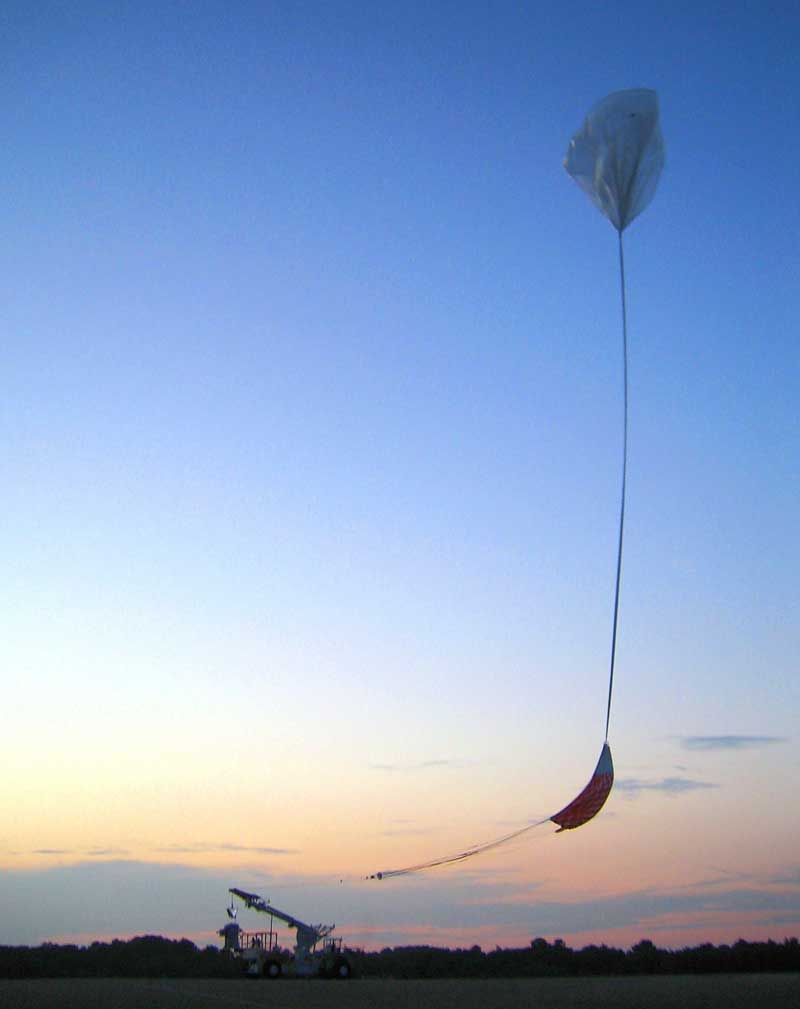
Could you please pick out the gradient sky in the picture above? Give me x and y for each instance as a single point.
(311, 432)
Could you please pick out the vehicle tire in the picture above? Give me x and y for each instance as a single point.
(272, 969)
(341, 970)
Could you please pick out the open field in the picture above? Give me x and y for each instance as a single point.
(726, 991)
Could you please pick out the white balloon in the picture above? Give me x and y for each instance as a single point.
(617, 155)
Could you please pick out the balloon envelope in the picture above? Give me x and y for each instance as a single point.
(617, 155)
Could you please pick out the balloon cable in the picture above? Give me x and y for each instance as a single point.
(591, 799)
(624, 475)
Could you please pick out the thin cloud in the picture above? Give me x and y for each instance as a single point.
(670, 786)
(90, 853)
(423, 765)
(724, 879)
(259, 851)
(204, 848)
(406, 832)
(729, 742)
(792, 878)
(638, 908)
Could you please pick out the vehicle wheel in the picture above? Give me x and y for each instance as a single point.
(272, 969)
(341, 970)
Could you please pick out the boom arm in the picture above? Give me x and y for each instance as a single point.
(307, 935)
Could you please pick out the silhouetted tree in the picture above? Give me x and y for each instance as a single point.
(154, 956)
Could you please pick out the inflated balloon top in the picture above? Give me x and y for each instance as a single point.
(617, 155)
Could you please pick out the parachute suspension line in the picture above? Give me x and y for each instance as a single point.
(624, 476)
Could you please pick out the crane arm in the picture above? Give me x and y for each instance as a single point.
(257, 903)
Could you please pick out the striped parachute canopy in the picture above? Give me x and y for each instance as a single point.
(592, 799)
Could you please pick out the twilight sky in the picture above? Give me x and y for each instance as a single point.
(311, 430)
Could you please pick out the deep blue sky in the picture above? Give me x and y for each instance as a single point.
(312, 411)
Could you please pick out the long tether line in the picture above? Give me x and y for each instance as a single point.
(624, 476)
(588, 803)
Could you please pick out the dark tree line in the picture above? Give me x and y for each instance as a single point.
(153, 956)
(144, 956)
(543, 959)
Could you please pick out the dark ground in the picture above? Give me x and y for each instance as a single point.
(718, 991)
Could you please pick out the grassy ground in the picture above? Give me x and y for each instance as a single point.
(718, 991)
